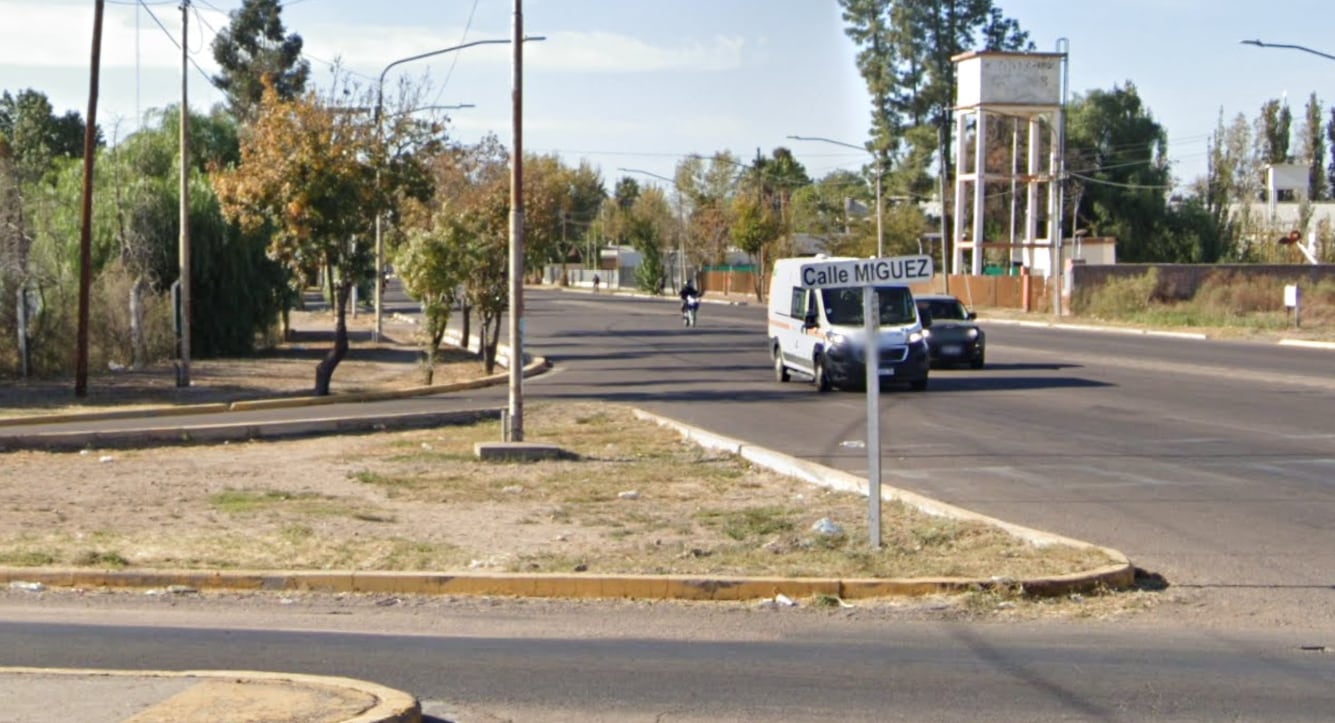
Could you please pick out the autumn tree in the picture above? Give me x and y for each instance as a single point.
(253, 49)
(307, 171)
(467, 239)
(706, 187)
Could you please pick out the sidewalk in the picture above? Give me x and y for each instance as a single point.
(33, 695)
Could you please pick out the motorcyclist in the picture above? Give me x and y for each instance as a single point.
(688, 292)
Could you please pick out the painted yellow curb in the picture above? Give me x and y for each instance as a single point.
(557, 585)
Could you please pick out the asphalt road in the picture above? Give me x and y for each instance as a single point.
(1211, 463)
(615, 662)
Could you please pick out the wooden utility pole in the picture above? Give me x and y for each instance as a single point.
(183, 364)
(86, 226)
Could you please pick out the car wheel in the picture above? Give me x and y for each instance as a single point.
(780, 371)
(977, 363)
(819, 376)
(919, 385)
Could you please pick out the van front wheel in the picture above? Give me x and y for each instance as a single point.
(819, 376)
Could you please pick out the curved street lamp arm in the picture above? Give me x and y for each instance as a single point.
(1261, 44)
(830, 140)
(380, 84)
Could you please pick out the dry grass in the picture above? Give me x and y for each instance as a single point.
(1226, 305)
(633, 499)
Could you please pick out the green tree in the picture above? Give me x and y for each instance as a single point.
(646, 222)
(1273, 131)
(755, 227)
(253, 50)
(1313, 150)
(1330, 137)
(307, 172)
(904, 54)
(433, 266)
(762, 209)
(1120, 152)
(37, 136)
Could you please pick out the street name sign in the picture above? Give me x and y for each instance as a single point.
(868, 274)
(844, 273)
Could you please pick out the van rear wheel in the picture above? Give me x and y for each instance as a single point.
(780, 371)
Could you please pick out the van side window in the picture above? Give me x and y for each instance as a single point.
(800, 303)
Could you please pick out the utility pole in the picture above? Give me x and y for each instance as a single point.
(514, 432)
(86, 225)
(183, 364)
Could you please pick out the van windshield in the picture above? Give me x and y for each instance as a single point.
(843, 307)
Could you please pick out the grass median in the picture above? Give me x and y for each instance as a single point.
(632, 498)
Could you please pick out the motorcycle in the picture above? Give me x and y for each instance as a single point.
(689, 309)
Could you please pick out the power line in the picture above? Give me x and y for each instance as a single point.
(208, 79)
(1134, 186)
(455, 60)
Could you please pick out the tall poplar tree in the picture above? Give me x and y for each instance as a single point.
(1314, 150)
(1272, 133)
(904, 52)
(1330, 136)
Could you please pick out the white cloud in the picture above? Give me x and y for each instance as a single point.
(610, 52)
(369, 49)
(58, 35)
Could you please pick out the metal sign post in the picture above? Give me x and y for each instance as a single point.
(868, 274)
(871, 326)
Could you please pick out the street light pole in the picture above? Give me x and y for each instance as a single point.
(880, 234)
(379, 130)
(681, 217)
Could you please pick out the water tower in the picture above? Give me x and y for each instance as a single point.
(1023, 90)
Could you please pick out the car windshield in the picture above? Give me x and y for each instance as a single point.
(843, 307)
(943, 309)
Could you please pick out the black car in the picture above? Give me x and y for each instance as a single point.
(953, 336)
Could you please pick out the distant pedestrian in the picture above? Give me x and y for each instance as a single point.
(596, 281)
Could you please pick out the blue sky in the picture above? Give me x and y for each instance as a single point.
(637, 84)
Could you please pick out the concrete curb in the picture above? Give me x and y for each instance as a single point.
(1308, 344)
(535, 366)
(1305, 343)
(239, 432)
(722, 588)
(227, 693)
(1119, 574)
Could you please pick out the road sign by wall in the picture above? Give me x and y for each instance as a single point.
(891, 271)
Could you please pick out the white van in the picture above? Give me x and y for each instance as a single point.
(820, 332)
